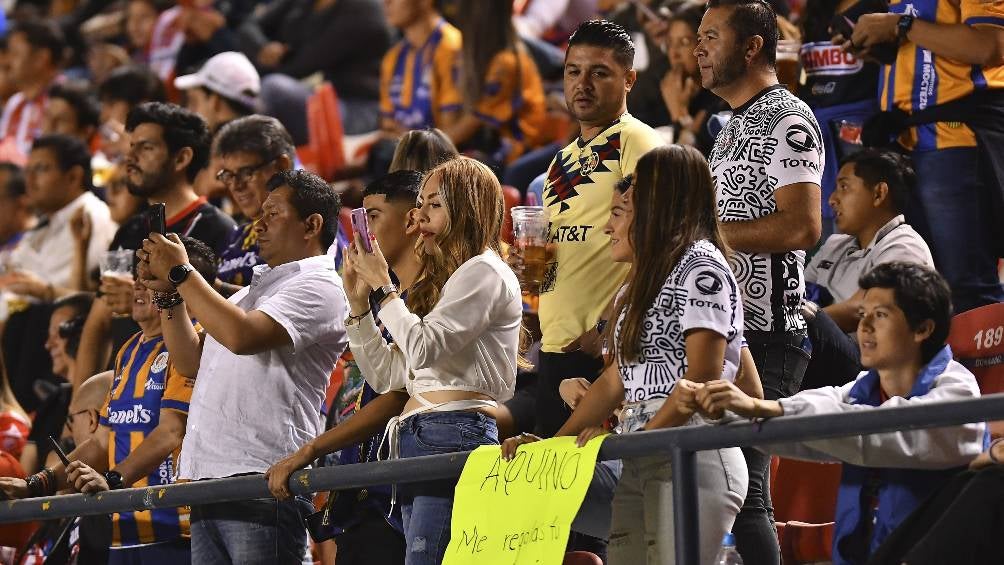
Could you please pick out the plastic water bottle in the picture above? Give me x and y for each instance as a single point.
(728, 555)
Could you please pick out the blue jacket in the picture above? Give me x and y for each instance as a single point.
(899, 491)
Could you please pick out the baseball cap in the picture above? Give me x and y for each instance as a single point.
(229, 74)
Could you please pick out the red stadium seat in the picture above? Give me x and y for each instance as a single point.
(512, 198)
(805, 501)
(14, 535)
(977, 340)
(325, 150)
(581, 558)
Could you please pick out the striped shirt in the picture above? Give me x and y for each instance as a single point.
(919, 78)
(145, 383)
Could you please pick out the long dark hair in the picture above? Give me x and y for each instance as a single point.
(488, 26)
(673, 198)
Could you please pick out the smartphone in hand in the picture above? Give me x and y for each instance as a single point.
(156, 222)
(361, 226)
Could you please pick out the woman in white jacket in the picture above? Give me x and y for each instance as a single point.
(455, 339)
(904, 320)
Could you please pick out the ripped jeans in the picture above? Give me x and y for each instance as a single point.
(427, 507)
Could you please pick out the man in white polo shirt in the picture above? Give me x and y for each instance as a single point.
(873, 188)
(262, 368)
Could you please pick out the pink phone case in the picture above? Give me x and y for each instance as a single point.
(361, 226)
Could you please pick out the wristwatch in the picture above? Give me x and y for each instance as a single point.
(179, 273)
(903, 27)
(114, 480)
(378, 294)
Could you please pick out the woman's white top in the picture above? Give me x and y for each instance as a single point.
(469, 341)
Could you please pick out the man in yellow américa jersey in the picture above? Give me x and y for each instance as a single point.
(581, 278)
(948, 49)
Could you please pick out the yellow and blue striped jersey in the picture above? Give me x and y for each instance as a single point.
(145, 383)
(418, 85)
(919, 78)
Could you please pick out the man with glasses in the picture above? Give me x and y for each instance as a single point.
(136, 435)
(249, 150)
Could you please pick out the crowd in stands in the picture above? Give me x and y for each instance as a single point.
(755, 208)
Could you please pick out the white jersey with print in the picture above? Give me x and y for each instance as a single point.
(701, 292)
(772, 141)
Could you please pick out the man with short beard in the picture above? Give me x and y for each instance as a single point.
(168, 147)
(767, 164)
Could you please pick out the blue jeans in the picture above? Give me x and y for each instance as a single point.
(427, 507)
(251, 532)
(178, 552)
(952, 211)
(781, 359)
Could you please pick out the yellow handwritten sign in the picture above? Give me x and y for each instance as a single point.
(519, 511)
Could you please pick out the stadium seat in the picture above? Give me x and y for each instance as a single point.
(324, 153)
(804, 494)
(581, 558)
(512, 198)
(14, 535)
(977, 341)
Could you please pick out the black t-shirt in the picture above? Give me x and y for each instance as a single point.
(832, 77)
(201, 220)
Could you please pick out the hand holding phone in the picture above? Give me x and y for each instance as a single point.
(361, 226)
(156, 221)
(59, 452)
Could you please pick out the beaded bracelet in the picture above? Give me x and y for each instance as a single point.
(42, 483)
(167, 301)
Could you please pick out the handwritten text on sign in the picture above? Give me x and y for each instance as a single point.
(519, 511)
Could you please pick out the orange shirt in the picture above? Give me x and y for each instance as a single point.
(512, 100)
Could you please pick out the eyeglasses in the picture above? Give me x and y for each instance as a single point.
(70, 416)
(243, 174)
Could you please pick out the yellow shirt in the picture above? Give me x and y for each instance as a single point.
(513, 101)
(919, 78)
(582, 278)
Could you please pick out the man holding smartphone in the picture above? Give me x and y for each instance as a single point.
(278, 337)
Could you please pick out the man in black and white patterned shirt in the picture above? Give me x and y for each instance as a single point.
(767, 164)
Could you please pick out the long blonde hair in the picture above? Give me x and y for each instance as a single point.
(475, 209)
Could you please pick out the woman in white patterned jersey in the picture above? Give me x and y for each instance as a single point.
(679, 323)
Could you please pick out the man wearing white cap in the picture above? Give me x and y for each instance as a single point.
(224, 89)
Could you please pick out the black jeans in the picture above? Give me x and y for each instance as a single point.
(836, 358)
(553, 368)
(961, 523)
(373, 540)
(781, 359)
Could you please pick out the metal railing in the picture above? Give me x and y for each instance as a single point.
(679, 443)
